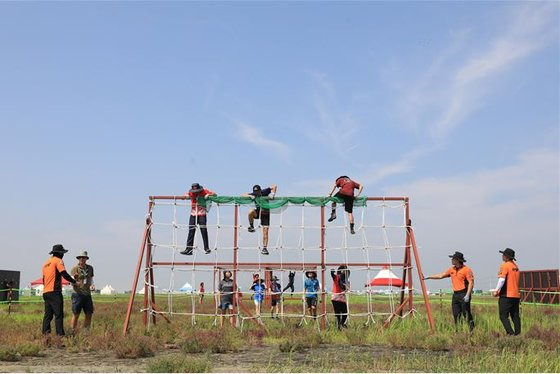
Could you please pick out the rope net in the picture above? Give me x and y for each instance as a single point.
(297, 242)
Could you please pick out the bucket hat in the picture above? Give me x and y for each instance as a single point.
(196, 188)
(83, 254)
(509, 253)
(58, 248)
(459, 256)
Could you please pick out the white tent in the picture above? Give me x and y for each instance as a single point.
(108, 290)
(37, 290)
(186, 288)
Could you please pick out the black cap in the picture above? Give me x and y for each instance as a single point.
(509, 253)
(256, 188)
(459, 256)
(195, 188)
(58, 248)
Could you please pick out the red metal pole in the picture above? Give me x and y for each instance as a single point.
(136, 276)
(147, 265)
(276, 265)
(409, 262)
(373, 198)
(422, 283)
(236, 294)
(406, 268)
(323, 298)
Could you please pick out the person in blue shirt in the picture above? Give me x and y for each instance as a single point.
(311, 286)
(258, 287)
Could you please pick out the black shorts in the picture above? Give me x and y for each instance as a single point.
(311, 302)
(274, 302)
(225, 305)
(82, 302)
(264, 216)
(348, 201)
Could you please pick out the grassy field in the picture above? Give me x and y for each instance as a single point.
(407, 345)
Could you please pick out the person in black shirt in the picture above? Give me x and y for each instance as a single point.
(262, 214)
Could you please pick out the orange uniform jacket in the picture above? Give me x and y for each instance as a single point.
(510, 272)
(52, 277)
(460, 278)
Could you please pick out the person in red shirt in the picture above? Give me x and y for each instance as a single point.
(53, 272)
(462, 280)
(341, 285)
(508, 291)
(198, 217)
(201, 292)
(346, 193)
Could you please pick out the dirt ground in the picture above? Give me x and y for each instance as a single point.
(59, 360)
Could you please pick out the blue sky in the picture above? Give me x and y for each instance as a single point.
(453, 104)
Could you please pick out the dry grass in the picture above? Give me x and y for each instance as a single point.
(406, 346)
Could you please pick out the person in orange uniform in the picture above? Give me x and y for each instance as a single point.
(53, 272)
(462, 280)
(508, 291)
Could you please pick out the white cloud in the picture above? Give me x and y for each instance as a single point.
(377, 172)
(479, 213)
(443, 97)
(335, 128)
(254, 136)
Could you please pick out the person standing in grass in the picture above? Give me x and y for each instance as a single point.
(275, 296)
(507, 290)
(198, 217)
(81, 297)
(311, 286)
(462, 280)
(53, 272)
(262, 214)
(346, 193)
(201, 292)
(225, 291)
(290, 285)
(258, 287)
(341, 285)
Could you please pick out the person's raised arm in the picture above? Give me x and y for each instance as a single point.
(360, 189)
(332, 190)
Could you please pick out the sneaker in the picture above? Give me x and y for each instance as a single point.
(352, 231)
(207, 250)
(333, 217)
(187, 251)
(251, 229)
(264, 251)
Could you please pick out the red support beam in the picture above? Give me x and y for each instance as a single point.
(422, 283)
(234, 263)
(275, 265)
(323, 298)
(136, 276)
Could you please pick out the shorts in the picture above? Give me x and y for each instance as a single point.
(274, 302)
(263, 215)
(348, 201)
(311, 302)
(224, 305)
(82, 302)
(257, 301)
